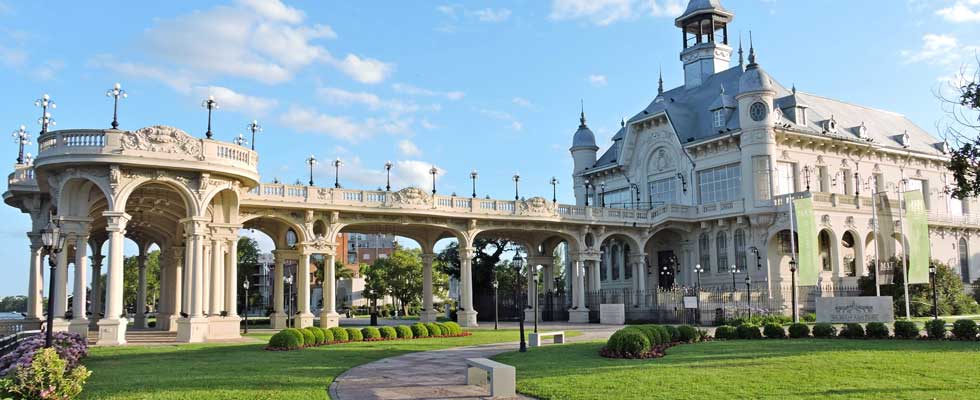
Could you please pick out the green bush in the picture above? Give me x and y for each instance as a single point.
(371, 333)
(48, 376)
(675, 334)
(318, 337)
(824, 330)
(748, 331)
(354, 335)
(876, 330)
(340, 334)
(810, 317)
(434, 330)
(725, 332)
(852, 330)
(906, 330)
(297, 334)
(629, 341)
(327, 335)
(308, 338)
(444, 328)
(280, 340)
(965, 329)
(420, 330)
(799, 331)
(388, 332)
(404, 332)
(687, 333)
(649, 331)
(773, 330)
(454, 328)
(663, 335)
(936, 329)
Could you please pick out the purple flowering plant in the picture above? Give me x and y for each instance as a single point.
(70, 346)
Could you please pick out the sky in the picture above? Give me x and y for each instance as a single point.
(491, 86)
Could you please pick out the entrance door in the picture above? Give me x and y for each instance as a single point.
(667, 268)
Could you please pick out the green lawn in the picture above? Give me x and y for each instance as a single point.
(244, 371)
(773, 369)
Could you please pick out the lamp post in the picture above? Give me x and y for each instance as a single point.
(116, 92)
(535, 277)
(53, 242)
(587, 183)
(23, 138)
(602, 196)
(554, 190)
(733, 270)
(433, 171)
(473, 176)
(245, 285)
(45, 103)
(792, 270)
(336, 172)
(254, 127)
(496, 307)
(517, 180)
(211, 105)
(288, 280)
(806, 176)
(758, 258)
(311, 162)
(518, 263)
(935, 297)
(388, 165)
(698, 270)
(240, 140)
(748, 293)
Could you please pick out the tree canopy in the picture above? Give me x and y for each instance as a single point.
(963, 129)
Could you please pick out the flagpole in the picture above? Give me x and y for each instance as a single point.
(793, 264)
(905, 244)
(874, 226)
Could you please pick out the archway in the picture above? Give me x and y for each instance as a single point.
(852, 254)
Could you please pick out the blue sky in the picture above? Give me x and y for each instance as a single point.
(459, 85)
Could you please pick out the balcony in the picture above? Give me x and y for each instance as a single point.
(855, 205)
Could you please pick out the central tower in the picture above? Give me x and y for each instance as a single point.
(704, 27)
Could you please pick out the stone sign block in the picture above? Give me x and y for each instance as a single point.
(855, 309)
(612, 314)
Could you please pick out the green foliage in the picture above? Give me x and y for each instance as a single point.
(308, 338)
(824, 330)
(906, 329)
(748, 331)
(965, 329)
(354, 335)
(964, 160)
(420, 330)
(300, 338)
(675, 334)
(951, 298)
(434, 330)
(13, 304)
(404, 332)
(131, 279)
(340, 334)
(799, 331)
(936, 329)
(759, 319)
(318, 336)
(370, 333)
(876, 330)
(488, 255)
(454, 328)
(444, 328)
(808, 317)
(327, 335)
(629, 341)
(388, 332)
(47, 377)
(773, 330)
(726, 332)
(286, 339)
(852, 330)
(651, 332)
(687, 333)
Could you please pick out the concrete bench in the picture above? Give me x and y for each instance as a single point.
(535, 338)
(500, 377)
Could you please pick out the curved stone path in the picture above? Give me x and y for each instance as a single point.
(437, 374)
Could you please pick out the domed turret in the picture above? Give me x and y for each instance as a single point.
(754, 79)
(583, 139)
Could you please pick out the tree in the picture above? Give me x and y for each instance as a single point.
(488, 255)
(962, 107)
(952, 300)
(404, 276)
(248, 264)
(131, 280)
(13, 304)
(375, 283)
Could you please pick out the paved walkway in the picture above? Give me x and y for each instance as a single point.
(438, 374)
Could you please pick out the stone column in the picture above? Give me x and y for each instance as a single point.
(186, 282)
(98, 291)
(304, 317)
(579, 313)
(596, 283)
(139, 319)
(231, 278)
(35, 293)
(429, 312)
(112, 328)
(216, 300)
(79, 322)
(176, 292)
(328, 315)
(531, 290)
(206, 277)
(466, 316)
(548, 276)
(194, 327)
(61, 290)
(278, 318)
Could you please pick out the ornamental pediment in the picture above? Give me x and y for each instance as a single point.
(536, 206)
(411, 196)
(162, 139)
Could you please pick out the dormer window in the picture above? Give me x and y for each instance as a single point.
(830, 125)
(862, 132)
(906, 140)
(944, 147)
(718, 118)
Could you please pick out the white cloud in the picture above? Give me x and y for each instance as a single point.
(428, 125)
(492, 15)
(503, 116)
(308, 120)
(598, 80)
(414, 173)
(961, 11)
(274, 10)
(47, 70)
(364, 70)
(938, 49)
(408, 149)
(417, 91)
(605, 12)
(520, 101)
(178, 80)
(404, 173)
(234, 101)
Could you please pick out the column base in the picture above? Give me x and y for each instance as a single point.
(60, 325)
(79, 326)
(278, 321)
(112, 331)
(579, 316)
(466, 319)
(192, 330)
(167, 322)
(529, 315)
(93, 323)
(429, 316)
(139, 321)
(303, 320)
(220, 328)
(329, 319)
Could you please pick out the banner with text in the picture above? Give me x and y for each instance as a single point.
(806, 228)
(918, 237)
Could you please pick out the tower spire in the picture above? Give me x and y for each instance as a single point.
(582, 117)
(741, 57)
(751, 50)
(660, 86)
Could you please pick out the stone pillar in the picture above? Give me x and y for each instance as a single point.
(61, 290)
(216, 300)
(139, 320)
(304, 317)
(531, 290)
(98, 290)
(112, 328)
(328, 315)
(79, 322)
(176, 288)
(278, 318)
(466, 316)
(231, 278)
(579, 313)
(206, 277)
(186, 283)
(548, 276)
(194, 327)
(429, 312)
(35, 293)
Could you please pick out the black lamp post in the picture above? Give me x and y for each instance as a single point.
(554, 190)
(388, 176)
(518, 263)
(792, 270)
(602, 195)
(535, 276)
(587, 183)
(45, 120)
(245, 285)
(311, 162)
(473, 176)
(733, 270)
(116, 92)
(240, 140)
(698, 270)
(289, 298)
(517, 181)
(254, 127)
(935, 297)
(53, 242)
(748, 293)
(336, 172)
(211, 105)
(23, 138)
(758, 258)
(433, 171)
(496, 307)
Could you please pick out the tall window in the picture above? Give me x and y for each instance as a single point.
(603, 263)
(823, 180)
(848, 184)
(719, 118)
(663, 191)
(741, 258)
(785, 244)
(704, 250)
(617, 261)
(720, 184)
(785, 178)
(628, 271)
(955, 206)
(850, 263)
(824, 242)
(722, 243)
(618, 198)
(922, 185)
(760, 174)
(964, 261)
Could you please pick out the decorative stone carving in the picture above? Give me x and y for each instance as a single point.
(411, 196)
(825, 220)
(849, 221)
(536, 205)
(162, 139)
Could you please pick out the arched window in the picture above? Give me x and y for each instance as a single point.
(825, 255)
(964, 260)
(603, 263)
(617, 261)
(850, 254)
(628, 272)
(741, 259)
(722, 243)
(704, 250)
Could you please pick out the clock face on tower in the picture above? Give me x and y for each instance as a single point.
(758, 111)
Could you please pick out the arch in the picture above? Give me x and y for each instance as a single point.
(319, 228)
(780, 252)
(223, 206)
(127, 190)
(666, 255)
(827, 251)
(852, 254)
(275, 226)
(964, 259)
(76, 196)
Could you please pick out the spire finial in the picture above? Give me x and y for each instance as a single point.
(582, 117)
(722, 88)
(741, 57)
(794, 88)
(660, 87)
(751, 50)
(622, 122)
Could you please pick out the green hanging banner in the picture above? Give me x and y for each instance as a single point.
(806, 228)
(918, 237)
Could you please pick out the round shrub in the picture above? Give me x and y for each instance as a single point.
(687, 333)
(434, 330)
(824, 330)
(371, 333)
(773, 330)
(965, 329)
(298, 335)
(404, 332)
(444, 328)
(647, 330)
(420, 330)
(318, 337)
(308, 338)
(454, 328)
(799, 330)
(355, 335)
(339, 334)
(906, 330)
(664, 333)
(628, 342)
(675, 334)
(876, 330)
(936, 329)
(852, 330)
(748, 331)
(388, 332)
(725, 332)
(278, 341)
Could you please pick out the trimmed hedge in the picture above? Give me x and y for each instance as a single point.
(308, 338)
(285, 340)
(318, 337)
(824, 330)
(876, 330)
(354, 334)
(852, 330)
(404, 332)
(748, 331)
(340, 334)
(725, 332)
(370, 333)
(327, 335)
(936, 329)
(454, 328)
(629, 341)
(420, 330)
(688, 333)
(799, 331)
(675, 334)
(906, 330)
(773, 330)
(298, 335)
(965, 329)
(434, 329)
(388, 332)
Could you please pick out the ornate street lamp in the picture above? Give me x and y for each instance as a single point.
(792, 270)
(53, 242)
(240, 140)
(587, 183)
(23, 138)
(336, 172)
(935, 297)
(45, 120)
(517, 181)
(602, 196)
(806, 176)
(254, 127)
(758, 258)
(534, 272)
(388, 165)
(733, 270)
(473, 176)
(518, 263)
(496, 306)
(748, 293)
(245, 285)
(116, 92)
(211, 105)
(554, 190)
(698, 270)
(433, 171)
(311, 162)
(288, 280)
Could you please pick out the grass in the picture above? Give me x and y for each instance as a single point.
(770, 369)
(244, 371)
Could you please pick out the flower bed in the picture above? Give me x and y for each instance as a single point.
(295, 339)
(31, 371)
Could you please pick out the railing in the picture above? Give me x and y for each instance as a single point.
(23, 175)
(12, 326)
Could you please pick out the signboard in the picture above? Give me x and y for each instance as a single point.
(612, 314)
(855, 309)
(690, 302)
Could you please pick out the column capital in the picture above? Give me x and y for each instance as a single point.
(638, 258)
(195, 226)
(428, 258)
(116, 221)
(467, 252)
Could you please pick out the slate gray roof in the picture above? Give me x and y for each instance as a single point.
(702, 6)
